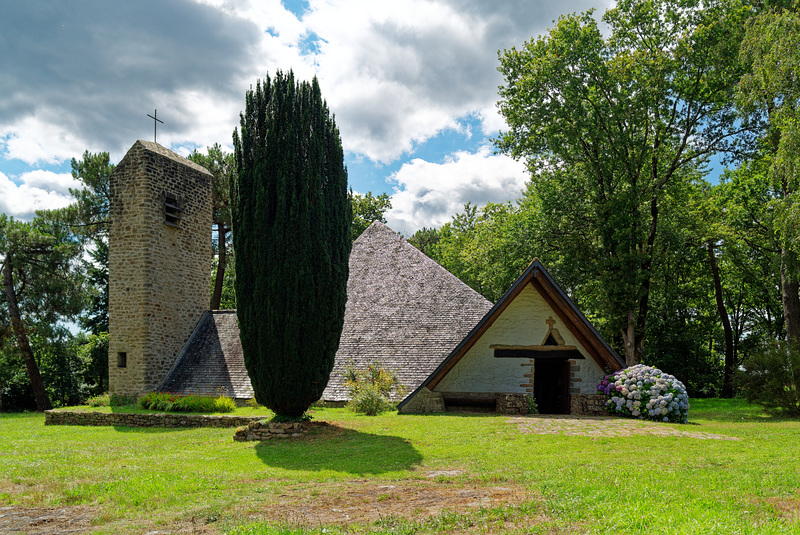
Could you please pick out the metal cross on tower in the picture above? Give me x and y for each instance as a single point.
(156, 120)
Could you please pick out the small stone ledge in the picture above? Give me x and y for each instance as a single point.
(512, 403)
(588, 405)
(258, 431)
(424, 402)
(176, 420)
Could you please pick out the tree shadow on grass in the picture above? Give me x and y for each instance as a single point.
(341, 450)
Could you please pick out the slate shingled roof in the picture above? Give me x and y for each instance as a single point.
(403, 309)
(211, 363)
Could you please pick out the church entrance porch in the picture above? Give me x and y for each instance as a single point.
(551, 386)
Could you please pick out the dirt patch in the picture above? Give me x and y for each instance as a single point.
(46, 520)
(366, 501)
(788, 508)
(599, 426)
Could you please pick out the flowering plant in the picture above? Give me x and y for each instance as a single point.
(372, 389)
(646, 393)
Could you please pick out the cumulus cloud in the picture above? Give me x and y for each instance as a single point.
(88, 73)
(399, 73)
(83, 75)
(36, 190)
(430, 194)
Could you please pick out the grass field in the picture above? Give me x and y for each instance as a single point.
(731, 470)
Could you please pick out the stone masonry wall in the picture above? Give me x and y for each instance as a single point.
(58, 417)
(512, 403)
(258, 431)
(588, 405)
(159, 275)
(424, 402)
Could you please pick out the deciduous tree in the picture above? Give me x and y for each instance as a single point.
(609, 126)
(221, 165)
(366, 209)
(42, 284)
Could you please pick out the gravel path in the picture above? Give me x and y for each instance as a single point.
(605, 426)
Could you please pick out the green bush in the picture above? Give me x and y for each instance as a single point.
(121, 400)
(770, 377)
(533, 408)
(370, 401)
(103, 400)
(371, 389)
(169, 402)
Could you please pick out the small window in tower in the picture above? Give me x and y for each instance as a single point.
(122, 360)
(172, 210)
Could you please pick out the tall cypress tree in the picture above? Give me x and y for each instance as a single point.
(291, 232)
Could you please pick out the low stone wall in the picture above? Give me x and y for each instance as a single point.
(588, 405)
(267, 431)
(512, 403)
(58, 417)
(424, 402)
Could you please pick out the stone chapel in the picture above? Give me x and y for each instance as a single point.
(451, 348)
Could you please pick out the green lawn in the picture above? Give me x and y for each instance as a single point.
(419, 471)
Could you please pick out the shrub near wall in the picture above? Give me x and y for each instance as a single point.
(645, 393)
(126, 419)
(166, 401)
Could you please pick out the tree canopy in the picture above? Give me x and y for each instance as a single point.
(613, 128)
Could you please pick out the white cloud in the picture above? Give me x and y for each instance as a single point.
(36, 139)
(38, 190)
(429, 194)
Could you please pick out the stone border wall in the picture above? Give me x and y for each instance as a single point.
(57, 417)
(257, 431)
(512, 403)
(588, 405)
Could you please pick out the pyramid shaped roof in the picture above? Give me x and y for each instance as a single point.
(403, 310)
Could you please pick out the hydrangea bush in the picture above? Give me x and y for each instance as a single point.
(646, 393)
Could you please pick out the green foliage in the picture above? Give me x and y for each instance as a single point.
(369, 400)
(121, 400)
(95, 316)
(222, 166)
(280, 418)
(613, 127)
(366, 209)
(42, 284)
(371, 389)
(93, 356)
(291, 230)
(771, 378)
(93, 201)
(227, 296)
(166, 401)
(103, 400)
(88, 218)
(533, 408)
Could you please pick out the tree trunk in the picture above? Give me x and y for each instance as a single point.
(222, 233)
(790, 299)
(634, 345)
(39, 392)
(727, 384)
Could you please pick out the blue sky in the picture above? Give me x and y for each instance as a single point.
(413, 85)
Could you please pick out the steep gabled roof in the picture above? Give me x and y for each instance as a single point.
(211, 362)
(403, 309)
(538, 277)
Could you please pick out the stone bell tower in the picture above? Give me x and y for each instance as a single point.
(159, 263)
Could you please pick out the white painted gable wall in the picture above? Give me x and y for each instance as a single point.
(523, 322)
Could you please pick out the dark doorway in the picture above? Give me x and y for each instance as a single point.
(551, 386)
